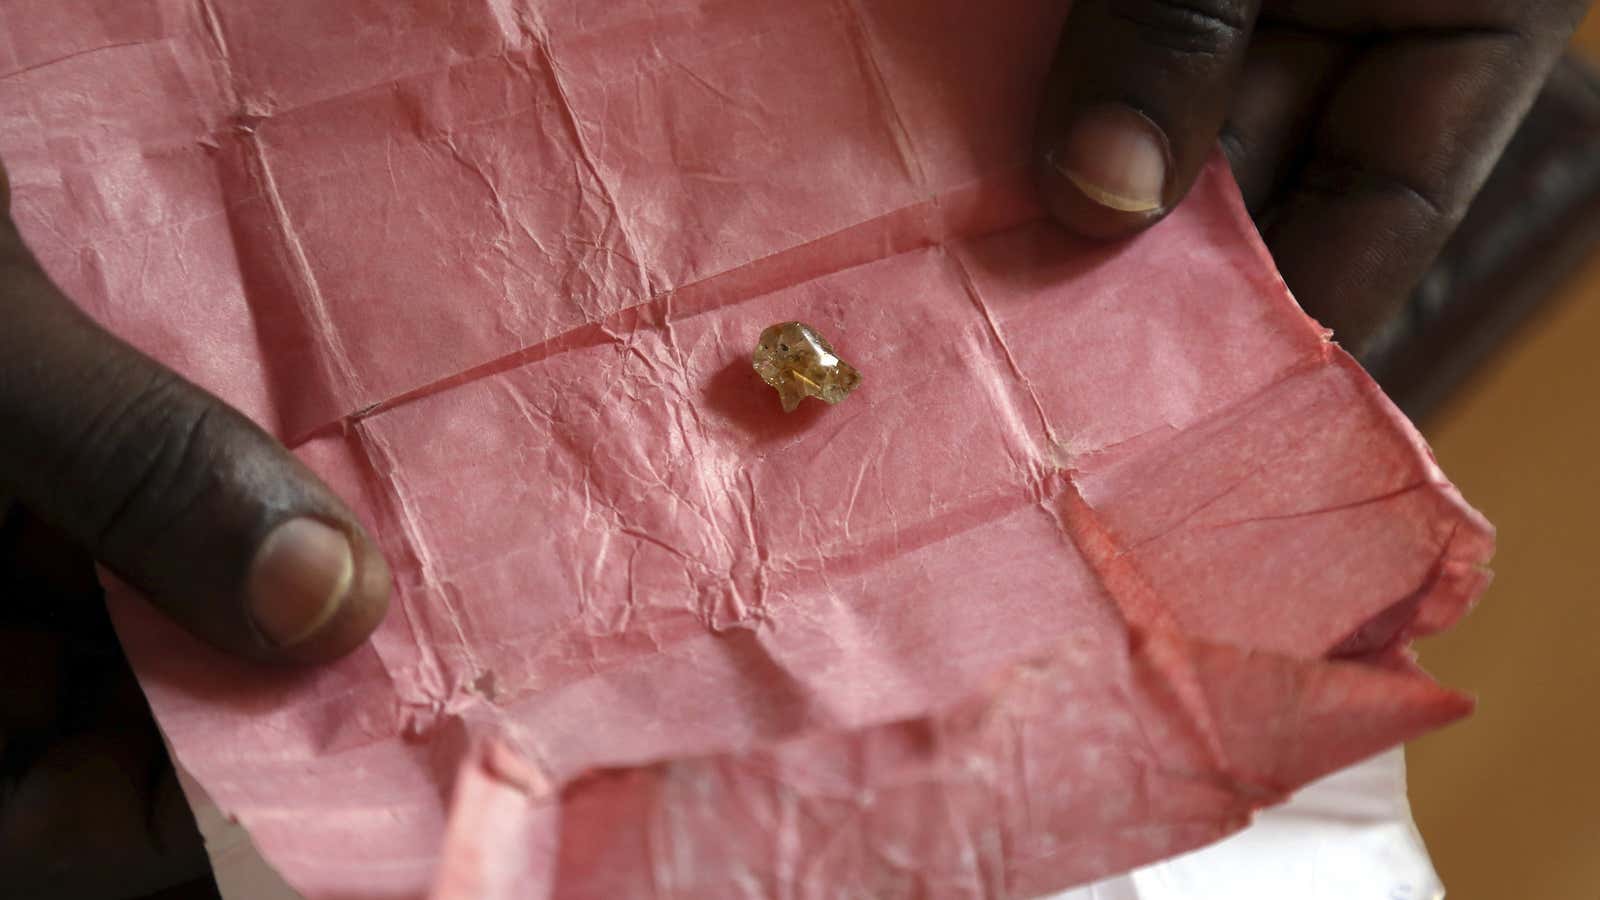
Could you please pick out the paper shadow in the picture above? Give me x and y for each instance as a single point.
(737, 395)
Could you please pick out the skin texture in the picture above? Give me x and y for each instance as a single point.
(108, 457)
(1359, 131)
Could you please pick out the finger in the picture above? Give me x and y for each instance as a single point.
(1407, 138)
(1133, 105)
(1287, 77)
(179, 494)
(1436, 17)
(98, 812)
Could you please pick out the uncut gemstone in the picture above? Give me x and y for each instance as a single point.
(799, 363)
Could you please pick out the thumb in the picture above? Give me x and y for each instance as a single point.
(166, 485)
(1132, 107)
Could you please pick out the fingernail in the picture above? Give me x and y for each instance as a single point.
(1116, 157)
(299, 579)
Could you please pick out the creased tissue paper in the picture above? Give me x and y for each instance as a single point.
(1346, 836)
(1111, 548)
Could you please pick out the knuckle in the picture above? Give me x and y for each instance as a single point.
(145, 460)
(1191, 27)
(1427, 201)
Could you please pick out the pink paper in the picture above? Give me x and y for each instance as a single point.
(1111, 548)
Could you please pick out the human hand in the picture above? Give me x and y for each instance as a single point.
(1358, 130)
(112, 458)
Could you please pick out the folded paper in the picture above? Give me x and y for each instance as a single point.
(1111, 547)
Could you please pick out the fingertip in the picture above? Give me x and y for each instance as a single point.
(1108, 174)
(316, 590)
(368, 602)
(180, 495)
(1116, 157)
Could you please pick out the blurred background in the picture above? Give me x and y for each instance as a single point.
(1509, 801)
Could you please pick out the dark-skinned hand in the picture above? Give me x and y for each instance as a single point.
(1359, 131)
(105, 455)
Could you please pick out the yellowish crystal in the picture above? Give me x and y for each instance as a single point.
(800, 363)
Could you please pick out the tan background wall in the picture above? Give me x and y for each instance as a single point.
(1509, 801)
